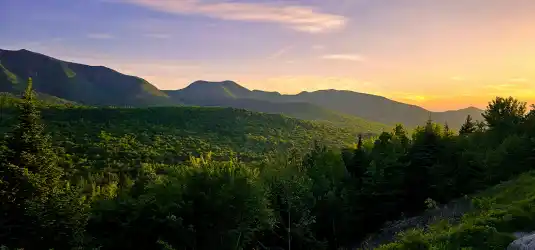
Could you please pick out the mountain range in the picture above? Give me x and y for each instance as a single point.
(101, 86)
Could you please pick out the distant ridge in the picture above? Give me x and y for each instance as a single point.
(101, 86)
(366, 106)
(91, 85)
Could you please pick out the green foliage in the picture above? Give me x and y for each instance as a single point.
(171, 134)
(499, 212)
(504, 113)
(41, 213)
(468, 127)
(206, 205)
(219, 178)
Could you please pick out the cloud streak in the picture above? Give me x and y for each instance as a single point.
(157, 36)
(279, 53)
(344, 57)
(100, 36)
(458, 78)
(297, 17)
(519, 79)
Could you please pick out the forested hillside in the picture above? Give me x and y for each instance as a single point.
(175, 133)
(369, 107)
(119, 178)
(91, 85)
(301, 110)
(101, 86)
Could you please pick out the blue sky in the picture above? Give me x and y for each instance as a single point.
(441, 54)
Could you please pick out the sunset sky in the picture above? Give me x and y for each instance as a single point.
(439, 54)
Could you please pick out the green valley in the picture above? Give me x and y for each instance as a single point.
(158, 177)
(267, 125)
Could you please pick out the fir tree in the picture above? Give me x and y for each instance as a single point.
(359, 143)
(30, 149)
(31, 195)
(468, 127)
(422, 156)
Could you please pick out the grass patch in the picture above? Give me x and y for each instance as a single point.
(68, 71)
(500, 211)
(10, 76)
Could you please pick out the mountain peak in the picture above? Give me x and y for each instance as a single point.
(231, 85)
(21, 51)
(225, 82)
(214, 90)
(93, 85)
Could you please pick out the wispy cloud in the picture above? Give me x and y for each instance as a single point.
(157, 36)
(298, 17)
(99, 36)
(411, 97)
(518, 79)
(458, 78)
(510, 86)
(318, 47)
(344, 57)
(280, 53)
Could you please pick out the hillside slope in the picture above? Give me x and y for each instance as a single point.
(230, 94)
(495, 218)
(368, 107)
(101, 86)
(375, 108)
(177, 132)
(92, 85)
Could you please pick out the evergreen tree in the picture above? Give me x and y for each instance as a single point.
(504, 113)
(400, 134)
(468, 127)
(358, 162)
(30, 185)
(31, 151)
(422, 156)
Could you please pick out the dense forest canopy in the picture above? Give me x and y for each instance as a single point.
(101, 178)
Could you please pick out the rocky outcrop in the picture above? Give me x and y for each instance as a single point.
(452, 212)
(526, 242)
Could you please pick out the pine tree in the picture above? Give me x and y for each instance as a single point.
(401, 137)
(31, 195)
(359, 143)
(422, 156)
(468, 127)
(30, 148)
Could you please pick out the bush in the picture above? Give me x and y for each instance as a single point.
(203, 206)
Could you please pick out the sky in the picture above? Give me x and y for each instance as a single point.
(438, 54)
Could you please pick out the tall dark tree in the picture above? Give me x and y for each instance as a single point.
(422, 156)
(468, 127)
(356, 160)
(400, 134)
(30, 148)
(3, 103)
(504, 113)
(359, 143)
(30, 186)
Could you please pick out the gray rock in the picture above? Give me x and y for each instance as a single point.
(519, 235)
(525, 243)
